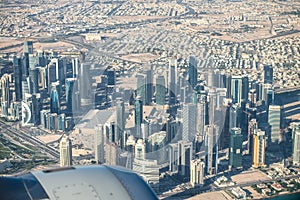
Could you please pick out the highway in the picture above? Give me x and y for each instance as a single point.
(30, 139)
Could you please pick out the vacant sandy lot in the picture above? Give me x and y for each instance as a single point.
(249, 177)
(220, 195)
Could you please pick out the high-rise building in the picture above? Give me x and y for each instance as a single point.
(140, 150)
(173, 157)
(17, 67)
(236, 89)
(99, 144)
(245, 87)
(138, 116)
(259, 146)
(70, 95)
(54, 101)
(85, 85)
(202, 116)
(141, 86)
(28, 47)
(197, 172)
(172, 81)
(296, 147)
(274, 120)
(189, 122)
(252, 127)
(235, 149)
(234, 116)
(34, 77)
(192, 71)
(120, 111)
(185, 155)
(160, 93)
(212, 147)
(149, 85)
(110, 130)
(65, 149)
(268, 74)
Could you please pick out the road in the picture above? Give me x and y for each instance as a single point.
(30, 139)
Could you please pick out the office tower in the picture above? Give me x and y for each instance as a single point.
(236, 89)
(202, 116)
(138, 116)
(259, 148)
(111, 76)
(5, 89)
(26, 113)
(160, 91)
(185, 155)
(141, 86)
(65, 152)
(270, 100)
(34, 78)
(111, 154)
(252, 98)
(120, 111)
(274, 120)
(212, 148)
(140, 150)
(17, 67)
(234, 116)
(252, 127)
(25, 66)
(212, 98)
(172, 81)
(264, 92)
(70, 95)
(192, 72)
(99, 144)
(189, 122)
(149, 85)
(75, 67)
(110, 131)
(296, 147)
(35, 107)
(61, 122)
(28, 47)
(85, 85)
(197, 172)
(54, 100)
(228, 80)
(268, 74)
(235, 150)
(173, 157)
(245, 87)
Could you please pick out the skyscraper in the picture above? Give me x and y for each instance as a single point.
(268, 74)
(189, 122)
(172, 81)
(28, 47)
(236, 89)
(65, 149)
(140, 150)
(149, 85)
(252, 127)
(17, 67)
(99, 144)
(185, 155)
(197, 172)
(235, 150)
(138, 116)
(234, 116)
(120, 110)
(160, 93)
(34, 77)
(192, 71)
(85, 85)
(296, 149)
(274, 120)
(70, 95)
(54, 101)
(259, 146)
(212, 148)
(141, 86)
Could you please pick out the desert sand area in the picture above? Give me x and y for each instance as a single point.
(249, 177)
(6, 42)
(49, 138)
(220, 195)
(140, 58)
